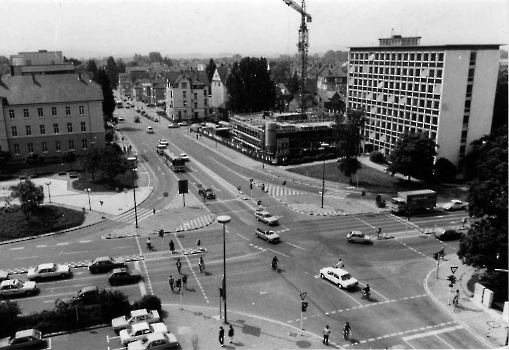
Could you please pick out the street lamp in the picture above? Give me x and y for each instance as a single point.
(49, 193)
(133, 162)
(102, 213)
(323, 170)
(224, 219)
(88, 192)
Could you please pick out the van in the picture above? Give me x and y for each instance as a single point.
(160, 149)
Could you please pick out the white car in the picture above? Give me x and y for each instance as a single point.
(155, 341)
(174, 125)
(339, 277)
(268, 235)
(150, 130)
(455, 205)
(357, 237)
(139, 330)
(137, 316)
(163, 142)
(266, 217)
(49, 271)
(120, 119)
(15, 287)
(184, 157)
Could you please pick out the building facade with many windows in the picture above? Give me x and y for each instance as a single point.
(50, 114)
(187, 96)
(447, 91)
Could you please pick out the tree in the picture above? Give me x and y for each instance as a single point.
(9, 316)
(109, 98)
(155, 57)
(30, 195)
(68, 157)
(74, 61)
(485, 245)
(90, 160)
(445, 171)
(5, 157)
(293, 84)
(112, 72)
(112, 162)
(280, 72)
(121, 68)
(500, 104)
(210, 69)
(413, 155)
(92, 67)
(249, 86)
(347, 134)
(34, 159)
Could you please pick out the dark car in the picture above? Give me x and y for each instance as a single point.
(106, 264)
(88, 295)
(119, 276)
(447, 235)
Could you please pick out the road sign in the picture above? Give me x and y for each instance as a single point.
(453, 269)
(303, 295)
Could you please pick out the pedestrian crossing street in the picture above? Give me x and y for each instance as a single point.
(196, 223)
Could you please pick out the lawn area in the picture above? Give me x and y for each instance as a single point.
(372, 180)
(46, 219)
(100, 184)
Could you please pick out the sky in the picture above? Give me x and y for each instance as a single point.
(215, 28)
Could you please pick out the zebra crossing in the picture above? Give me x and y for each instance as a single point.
(196, 223)
(128, 217)
(315, 209)
(278, 191)
(127, 231)
(178, 201)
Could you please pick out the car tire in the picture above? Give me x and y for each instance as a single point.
(27, 293)
(65, 275)
(37, 279)
(113, 283)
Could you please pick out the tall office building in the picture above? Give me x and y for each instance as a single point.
(445, 90)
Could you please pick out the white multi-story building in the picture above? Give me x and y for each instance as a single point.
(445, 90)
(187, 96)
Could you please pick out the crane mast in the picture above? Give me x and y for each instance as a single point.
(303, 44)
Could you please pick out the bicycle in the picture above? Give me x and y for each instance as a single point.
(347, 335)
(455, 301)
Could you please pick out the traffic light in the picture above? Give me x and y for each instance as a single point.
(251, 186)
(435, 256)
(304, 306)
(161, 233)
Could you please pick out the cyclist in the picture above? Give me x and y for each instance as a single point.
(346, 331)
(365, 291)
(456, 298)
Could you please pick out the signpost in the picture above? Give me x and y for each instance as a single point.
(304, 306)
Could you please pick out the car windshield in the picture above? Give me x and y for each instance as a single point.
(144, 340)
(346, 277)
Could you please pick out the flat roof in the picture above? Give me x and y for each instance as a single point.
(427, 47)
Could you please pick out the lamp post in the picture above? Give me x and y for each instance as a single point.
(133, 163)
(102, 213)
(49, 193)
(224, 219)
(323, 170)
(88, 192)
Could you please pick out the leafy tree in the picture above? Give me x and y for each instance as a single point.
(112, 162)
(280, 72)
(501, 102)
(68, 157)
(5, 157)
(9, 311)
(30, 195)
(210, 69)
(155, 57)
(34, 159)
(133, 64)
(249, 85)
(413, 155)
(445, 171)
(92, 67)
(347, 133)
(74, 61)
(109, 98)
(293, 84)
(90, 160)
(377, 157)
(112, 72)
(121, 66)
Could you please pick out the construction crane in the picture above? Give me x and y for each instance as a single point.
(303, 42)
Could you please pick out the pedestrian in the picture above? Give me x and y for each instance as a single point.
(172, 247)
(201, 264)
(178, 284)
(153, 210)
(442, 252)
(171, 281)
(221, 336)
(230, 333)
(184, 281)
(179, 265)
(198, 242)
(326, 333)
(340, 264)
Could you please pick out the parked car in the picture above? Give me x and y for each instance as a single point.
(136, 316)
(155, 341)
(49, 271)
(140, 330)
(338, 276)
(266, 218)
(184, 157)
(455, 204)
(173, 125)
(25, 339)
(124, 276)
(357, 237)
(106, 264)
(447, 235)
(183, 123)
(15, 287)
(88, 295)
(268, 235)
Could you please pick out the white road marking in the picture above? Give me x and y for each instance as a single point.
(430, 333)
(296, 246)
(63, 243)
(18, 248)
(25, 257)
(41, 246)
(82, 251)
(141, 283)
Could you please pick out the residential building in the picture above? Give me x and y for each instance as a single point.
(50, 114)
(445, 90)
(41, 62)
(330, 100)
(187, 96)
(333, 77)
(283, 97)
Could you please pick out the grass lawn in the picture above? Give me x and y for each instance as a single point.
(372, 180)
(46, 219)
(100, 184)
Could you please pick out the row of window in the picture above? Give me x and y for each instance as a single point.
(398, 100)
(401, 117)
(399, 56)
(44, 147)
(399, 71)
(42, 129)
(40, 112)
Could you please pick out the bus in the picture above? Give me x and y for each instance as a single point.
(175, 162)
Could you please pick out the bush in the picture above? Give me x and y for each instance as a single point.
(149, 302)
(9, 319)
(307, 159)
(377, 157)
(445, 171)
(330, 155)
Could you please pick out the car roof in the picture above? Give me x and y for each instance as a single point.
(102, 258)
(122, 269)
(88, 289)
(46, 266)
(141, 325)
(26, 333)
(139, 312)
(263, 212)
(357, 233)
(8, 282)
(337, 270)
(155, 336)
